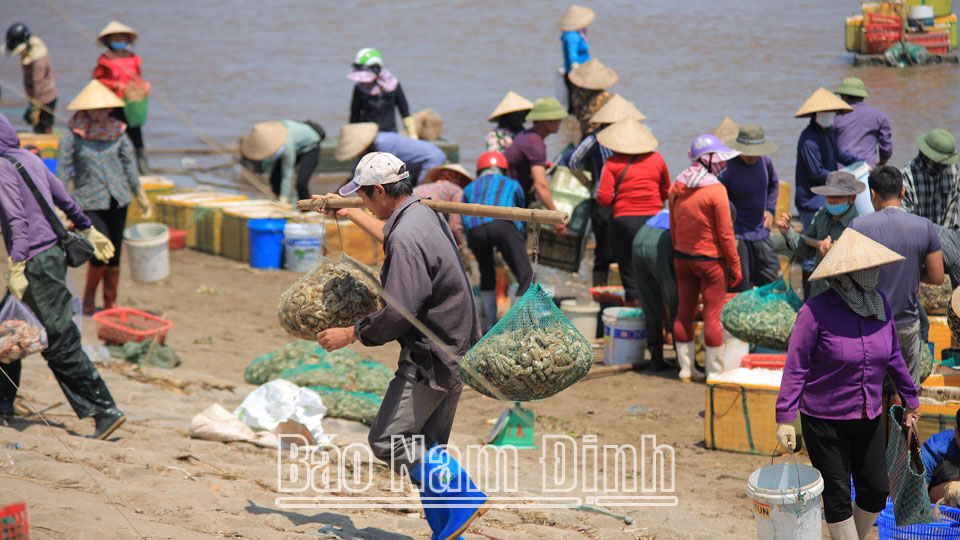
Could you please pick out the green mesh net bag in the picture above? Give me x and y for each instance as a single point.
(533, 352)
(269, 366)
(763, 316)
(356, 406)
(317, 375)
(346, 372)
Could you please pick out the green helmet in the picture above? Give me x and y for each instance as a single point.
(367, 57)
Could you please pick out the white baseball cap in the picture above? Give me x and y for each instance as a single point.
(376, 168)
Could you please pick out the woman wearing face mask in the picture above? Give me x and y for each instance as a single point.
(818, 154)
(118, 68)
(378, 94)
(705, 251)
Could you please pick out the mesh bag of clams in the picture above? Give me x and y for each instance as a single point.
(533, 352)
(935, 299)
(763, 316)
(21, 333)
(335, 293)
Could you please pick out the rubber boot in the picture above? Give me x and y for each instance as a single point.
(143, 166)
(843, 530)
(713, 360)
(488, 299)
(443, 478)
(685, 359)
(111, 280)
(95, 275)
(655, 346)
(600, 278)
(864, 520)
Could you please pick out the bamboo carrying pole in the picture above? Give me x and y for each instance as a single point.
(549, 217)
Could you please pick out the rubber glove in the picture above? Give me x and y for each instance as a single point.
(787, 436)
(146, 210)
(102, 246)
(410, 125)
(17, 280)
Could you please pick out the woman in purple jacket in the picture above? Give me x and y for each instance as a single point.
(843, 344)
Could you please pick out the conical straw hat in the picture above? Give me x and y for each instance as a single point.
(263, 141)
(628, 136)
(854, 251)
(822, 100)
(512, 102)
(354, 138)
(576, 18)
(593, 75)
(117, 28)
(615, 109)
(432, 174)
(728, 129)
(95, 96)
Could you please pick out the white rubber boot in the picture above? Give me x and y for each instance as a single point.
(488, 299)
(844, 530)
(685, 359)
(864, 520)
(713, 360)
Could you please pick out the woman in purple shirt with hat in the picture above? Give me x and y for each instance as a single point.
(843, 345)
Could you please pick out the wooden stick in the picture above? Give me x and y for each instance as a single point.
(550, 217)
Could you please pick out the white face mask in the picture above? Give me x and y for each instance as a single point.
(825, 119)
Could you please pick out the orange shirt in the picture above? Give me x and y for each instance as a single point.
(115, 73)
(643, 188)
(700, 222)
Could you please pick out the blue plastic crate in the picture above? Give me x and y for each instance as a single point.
(947, 529)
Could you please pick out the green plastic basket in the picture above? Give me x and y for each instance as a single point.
(136, 112)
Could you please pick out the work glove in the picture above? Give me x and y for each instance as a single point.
(146, 210)
(787, 436)
(102, 246)
(410, 125)
(17, 280)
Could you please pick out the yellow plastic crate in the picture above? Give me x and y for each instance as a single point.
(47, 143)
(356, 242)
(177, 211)
(234, 235)
(741, 418)
(940, 335)
(154, 186)
(880, 8)
(941, 8)
(209, 218)
(854, 34)
(949, 23)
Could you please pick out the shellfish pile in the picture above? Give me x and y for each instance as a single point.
(336, 293)
(19, 339)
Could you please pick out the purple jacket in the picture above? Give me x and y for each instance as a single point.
(26, 231)
(837, 360)
(864, 131)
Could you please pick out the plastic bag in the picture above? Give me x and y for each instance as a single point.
(278, 401)
(269, 366)
(908, 488)
(335, 293)
(764, 316)
(21, 333)
(533, 352)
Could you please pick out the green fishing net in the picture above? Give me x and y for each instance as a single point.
(533, 352)
(269, 366)
(763, 316)
(356, 406)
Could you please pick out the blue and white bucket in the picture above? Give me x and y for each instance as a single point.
(624, 335)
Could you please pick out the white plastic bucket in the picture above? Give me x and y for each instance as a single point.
(786, 502)
(624, 335)
(148, 251)
(733, 351)
(582, 315)
(302, 244)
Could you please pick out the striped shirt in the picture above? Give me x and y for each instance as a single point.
(492, 190)
(590, 156)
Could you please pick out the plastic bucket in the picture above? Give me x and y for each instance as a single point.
(302, 244)
(582, 315)
(266, 242)
(624, 335)
(136, 112)
(786, 502)
(148, 251)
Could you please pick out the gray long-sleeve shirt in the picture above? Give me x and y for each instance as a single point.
(423, 275)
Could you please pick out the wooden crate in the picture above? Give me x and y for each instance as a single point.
(742, 418)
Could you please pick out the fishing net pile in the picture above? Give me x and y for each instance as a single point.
(935, 299)
(21, 333)
(763, 316)
(533, 352)
(335, 293)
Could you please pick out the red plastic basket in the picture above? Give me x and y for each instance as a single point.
(763, 361)
(177, 239)
(879, 42)
(883, 27)
(935, 42)
(119, 325)
(608, 295)
(876, 18)
(13, 522)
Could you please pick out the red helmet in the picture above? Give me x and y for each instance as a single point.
(491, 159)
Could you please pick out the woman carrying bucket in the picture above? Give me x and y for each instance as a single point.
(843, 345)
(100, 160)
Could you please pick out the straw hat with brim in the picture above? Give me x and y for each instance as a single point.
(751, 141)
(355, 138)
(939, 145)
(839, 184)
(432, 174)
(854, 251)
(822, 100)
(512, 102)
(593, 75)
(546, 109)
(852, 86)
(263, 141)
(95, 96)
(576, 18)
(628, 136)
(117, 28)
(429, 124)
(615, 109)
(727, 129)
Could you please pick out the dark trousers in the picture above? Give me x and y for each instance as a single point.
(135, 134)
(759, 263)
(45, 122)
(411, 408)
(47, 295)
(839, 448)
(653, 269)
(505, 237)
(111, 223)
(305, 165)
(601, 223)
(624, 229)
